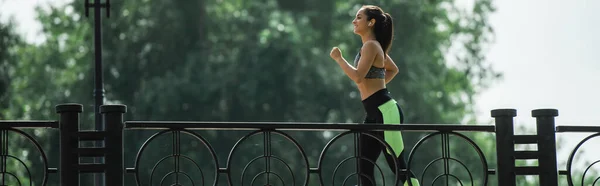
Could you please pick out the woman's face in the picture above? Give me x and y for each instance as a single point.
(360, 22)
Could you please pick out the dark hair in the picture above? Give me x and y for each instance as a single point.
(383, 28)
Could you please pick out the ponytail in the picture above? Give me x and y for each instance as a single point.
(387, 34)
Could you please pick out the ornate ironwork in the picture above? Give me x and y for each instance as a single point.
(176, 156)
(267, 174)
(70, 136)
(572, 157)
(7, 127)
(357, 157)
(268, 156)
(569, 171)
(446, 158)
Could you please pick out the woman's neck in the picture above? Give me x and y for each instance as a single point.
(367, 37)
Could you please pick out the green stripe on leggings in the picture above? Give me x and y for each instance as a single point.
(414, 181)
(391, 115)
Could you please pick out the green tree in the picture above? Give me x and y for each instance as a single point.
(9, 39)
(239, 61)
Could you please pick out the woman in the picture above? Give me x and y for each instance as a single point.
(373, 70)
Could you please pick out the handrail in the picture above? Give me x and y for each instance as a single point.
(140, 125)
(4, 124)
(578, 129)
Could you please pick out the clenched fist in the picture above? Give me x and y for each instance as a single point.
(335, 53)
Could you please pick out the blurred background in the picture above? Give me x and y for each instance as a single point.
(268, 60)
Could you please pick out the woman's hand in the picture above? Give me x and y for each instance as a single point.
(335, 54)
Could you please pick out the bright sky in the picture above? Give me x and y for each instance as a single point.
(23, 14)
(547, 50)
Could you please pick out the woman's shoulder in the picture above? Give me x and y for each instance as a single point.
(371, 44)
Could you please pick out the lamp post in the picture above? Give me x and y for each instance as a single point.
(98, 73)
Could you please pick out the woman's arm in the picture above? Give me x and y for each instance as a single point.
(368, 53)
(390, 69)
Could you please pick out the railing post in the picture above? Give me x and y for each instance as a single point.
(547, 145)
(69, 159)
(113, 121)
(505, 146)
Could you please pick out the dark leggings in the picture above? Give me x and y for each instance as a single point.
(371, 148)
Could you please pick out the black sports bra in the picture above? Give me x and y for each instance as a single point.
(374, 72)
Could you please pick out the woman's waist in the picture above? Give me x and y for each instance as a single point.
(377, 98)
(367, 89)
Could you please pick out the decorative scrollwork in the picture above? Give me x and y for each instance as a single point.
(267, 173)
(268, 158)
(177, 171)
(357, 157)
(447, 175)
(176, 156)
(5, 156)
(586, 171)
(446, 158)
(588, 168)
(162, 181)
(356, 173)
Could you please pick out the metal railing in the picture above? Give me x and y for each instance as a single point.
(303, 164)
(16, 127)
(595, 130)
(270, 129)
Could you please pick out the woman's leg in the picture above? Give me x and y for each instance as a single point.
(392, 114)
(369, 152)
(401, 165)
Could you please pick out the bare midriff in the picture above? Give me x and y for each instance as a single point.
(369, 86)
